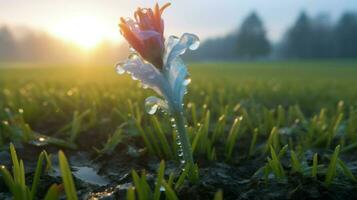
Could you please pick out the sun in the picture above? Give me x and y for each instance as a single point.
(85, 31)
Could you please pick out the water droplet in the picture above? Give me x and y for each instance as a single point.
(119, 68)
(186, 81)
(21, 110)
(134, 78)
(195, 44)
(172, 119)
(162, 189)
(5, 122)
(151, 107)
(132, 50)
(41, 141)
(173, 125)
(180, 154)
(133, 56)
(183, 161)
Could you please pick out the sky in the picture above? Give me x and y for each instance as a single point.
(88, 21)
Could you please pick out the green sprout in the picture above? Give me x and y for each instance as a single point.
(16, 182)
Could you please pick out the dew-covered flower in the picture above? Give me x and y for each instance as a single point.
(146, 33)
(156, 62)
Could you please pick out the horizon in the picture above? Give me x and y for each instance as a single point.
(97, 22)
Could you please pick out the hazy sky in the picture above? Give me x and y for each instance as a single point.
(203, 17)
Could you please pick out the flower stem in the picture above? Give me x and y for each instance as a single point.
(183, 137)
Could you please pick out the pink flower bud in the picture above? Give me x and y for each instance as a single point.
(146, 34)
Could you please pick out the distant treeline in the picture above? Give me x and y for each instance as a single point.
(307, 38)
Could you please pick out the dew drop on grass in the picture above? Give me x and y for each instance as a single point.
(41, 141)
(119, 68)
(162, 189)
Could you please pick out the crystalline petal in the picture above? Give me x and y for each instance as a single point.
(175, 69)
(146, 73)
(177, 47)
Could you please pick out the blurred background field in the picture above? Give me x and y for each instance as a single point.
(50, 92)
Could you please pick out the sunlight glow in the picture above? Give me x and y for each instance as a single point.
(85, 31)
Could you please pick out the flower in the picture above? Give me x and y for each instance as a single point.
(164, 71)
(160, 68)
(146, 33)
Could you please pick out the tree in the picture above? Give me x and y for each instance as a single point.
(7, 44)
(346, 32)
(322, 43)
(252, 41)
(298, 38)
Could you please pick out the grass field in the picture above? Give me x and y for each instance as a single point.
(240, 118)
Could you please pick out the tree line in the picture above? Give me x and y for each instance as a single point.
(307, 38)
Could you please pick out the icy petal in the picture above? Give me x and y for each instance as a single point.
(144, 72)
(175, 70)
(176, 47)
(178, 74)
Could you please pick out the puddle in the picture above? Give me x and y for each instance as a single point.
(89, 175)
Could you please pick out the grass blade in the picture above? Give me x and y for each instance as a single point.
(130, 194)
(314, 166)
(36, 178)
(67, 178)
(53, 193)
(331, 171)
(218, 195)
(346, 170)
(295, 162)
(160, 178)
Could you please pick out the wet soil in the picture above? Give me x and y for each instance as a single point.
(109, 176)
